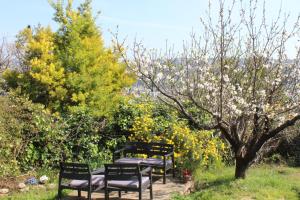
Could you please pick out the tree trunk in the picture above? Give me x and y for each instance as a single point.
(241, 166)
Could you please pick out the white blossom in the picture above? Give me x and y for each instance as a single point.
(159, 76)
(226, 78)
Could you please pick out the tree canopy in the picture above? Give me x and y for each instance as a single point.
(69, 69)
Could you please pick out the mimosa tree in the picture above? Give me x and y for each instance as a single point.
(69, 69)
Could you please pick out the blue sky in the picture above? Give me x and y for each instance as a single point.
(152, 21)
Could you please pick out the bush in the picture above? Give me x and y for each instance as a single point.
(10, 137)
(144, 120)
(85, 140)
(31, 137)
(22, 125)
(290, 149)
(75, 137)
(43, 144)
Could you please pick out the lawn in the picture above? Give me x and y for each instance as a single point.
(263, 182)
(33, 194)
(40, 192)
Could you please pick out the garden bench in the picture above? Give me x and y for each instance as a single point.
(78, 176)
(127, 177)
(159, 155)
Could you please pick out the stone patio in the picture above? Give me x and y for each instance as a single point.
(160, 191)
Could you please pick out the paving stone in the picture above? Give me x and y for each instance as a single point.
(4, 190)
(160, 192)
(21, 185)
(51, 186)
(26, 189)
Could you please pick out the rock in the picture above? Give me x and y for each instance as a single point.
(4, 190)
(43, 179)
(25, 189)
(188, 187)
(21, 185)
(31, 181)
(51, 186)
(41, 186)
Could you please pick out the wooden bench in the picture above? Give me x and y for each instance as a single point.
(159, 155)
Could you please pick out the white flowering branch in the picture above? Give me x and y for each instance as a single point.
(237, 72)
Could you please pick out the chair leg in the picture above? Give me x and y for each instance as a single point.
(59, 194)
(120, 195)
(173, 170)
(79, 193)
(164, 176)
(89, 195)
(151, 192)
(106, 195)
(173, 165)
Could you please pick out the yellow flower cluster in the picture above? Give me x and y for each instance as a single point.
(142, 128)
(190, 145)
(44, 66)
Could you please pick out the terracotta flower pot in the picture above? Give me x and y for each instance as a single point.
(187, 175)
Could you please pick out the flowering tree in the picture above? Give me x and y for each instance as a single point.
(68, 70)
(5, 54)
(236, 72)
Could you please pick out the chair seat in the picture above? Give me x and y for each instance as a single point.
(147, 161)
(129, 160)
(97, 180)
(156, 162)
(132, 183)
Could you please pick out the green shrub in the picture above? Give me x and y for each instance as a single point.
(76, 137)
(10, 137)
(290, 149)
(31, 137)
(20, 128)
(85, 140)
(145, 120)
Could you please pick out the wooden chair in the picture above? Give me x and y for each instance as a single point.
(77, 176)
(127, 177)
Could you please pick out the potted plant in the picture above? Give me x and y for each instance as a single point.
(186, 170)
(186, 175)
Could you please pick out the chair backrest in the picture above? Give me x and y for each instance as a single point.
(149, 149)
(160, 149)
(121, 171)
(78, 171)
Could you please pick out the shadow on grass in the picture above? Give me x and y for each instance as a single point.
(297, 190)
(225, 181)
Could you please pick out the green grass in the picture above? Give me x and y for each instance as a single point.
(36, 193)
(33, 194)
(263, 182)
